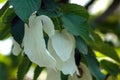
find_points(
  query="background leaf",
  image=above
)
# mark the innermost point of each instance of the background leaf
(102, 47)
(93, 65)
(17, 29)
(37, 72)
(24, 8)
(75, 9)
(3, 72)
(23, 68)
(5, 21)
(111, 67)
(49, 8)
(81, 45)
(76, 25)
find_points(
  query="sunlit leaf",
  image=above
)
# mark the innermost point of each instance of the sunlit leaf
(5, 22)
(104, 48)
(111, 67)
(1, 1)
(4, 8)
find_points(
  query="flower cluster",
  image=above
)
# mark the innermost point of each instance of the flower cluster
(57, 55)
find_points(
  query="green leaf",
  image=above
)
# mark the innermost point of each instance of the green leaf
(4, 8)
(76, 25)
(23, 68)
(93, 65)
(37, 72)
(64, 77)
(17, 29)
(104, 48)
(24, 8)
(3, 72)
(5, 22)
(49, 8)
(4, 30)
(81, 45)
(75, 9)
(111, 67)
(1, 1)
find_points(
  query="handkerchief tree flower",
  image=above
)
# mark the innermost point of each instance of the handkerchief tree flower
(58, 38)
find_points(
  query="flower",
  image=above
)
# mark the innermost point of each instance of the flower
(34, 43)
(62, 46)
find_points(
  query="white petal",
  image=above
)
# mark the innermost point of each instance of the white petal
(53, 74)
(32, 20)
(63, 43)
(34, 44)
(16, 48)
(48, 25)
(69, 66)
(53, 53)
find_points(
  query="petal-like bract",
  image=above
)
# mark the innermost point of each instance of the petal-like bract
(48, 25)
(67, 65)
(63, 43)
(16, 48)
(34, 43)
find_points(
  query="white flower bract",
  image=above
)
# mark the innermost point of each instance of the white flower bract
(62, 46)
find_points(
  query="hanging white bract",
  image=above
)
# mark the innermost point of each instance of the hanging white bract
(16, 48)
(34, 43)
(62, 46)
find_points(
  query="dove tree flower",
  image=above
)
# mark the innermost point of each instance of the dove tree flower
(34, 43)
(62, 46)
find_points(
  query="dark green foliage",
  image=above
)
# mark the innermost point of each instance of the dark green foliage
(81, 45)
(64, 77)
(93, 65)
(3, 72)
(111, 67)
(17, 29)
(23, 68)
(37, 72)
(75, 9)
(6, 16)
(24, 8)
